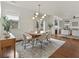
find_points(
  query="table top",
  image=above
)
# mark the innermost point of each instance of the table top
(34, 35)
(11, 36)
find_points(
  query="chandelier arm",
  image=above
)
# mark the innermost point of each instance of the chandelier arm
(39, 8)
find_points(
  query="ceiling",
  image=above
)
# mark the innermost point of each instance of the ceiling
(49, 6)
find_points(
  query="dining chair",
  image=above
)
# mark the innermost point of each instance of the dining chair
(48, 36)
(37, 39)
(26, 39)
(42, 38)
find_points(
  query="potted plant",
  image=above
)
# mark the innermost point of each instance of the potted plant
(50, 25)
(6, 25)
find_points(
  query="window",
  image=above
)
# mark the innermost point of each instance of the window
(56, 23)
(14, 21)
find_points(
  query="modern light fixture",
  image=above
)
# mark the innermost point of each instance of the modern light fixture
(38, 15)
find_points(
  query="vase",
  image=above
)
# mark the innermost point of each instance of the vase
(6, 34)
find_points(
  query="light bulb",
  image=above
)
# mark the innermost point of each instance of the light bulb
(43, 17)
(37, 13)
(44, 14)
(33, 18)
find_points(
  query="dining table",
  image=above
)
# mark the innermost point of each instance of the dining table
(35, 35)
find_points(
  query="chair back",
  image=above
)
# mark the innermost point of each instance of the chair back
(48, 35)
(27, 36)
(42, 37)
(24, 37)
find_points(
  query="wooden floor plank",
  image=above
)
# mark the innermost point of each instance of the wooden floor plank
(69, 50)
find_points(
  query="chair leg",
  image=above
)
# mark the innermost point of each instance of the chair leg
(41, 44)
(24, 45)
(32, 43)
(47, 39)
(37, 41)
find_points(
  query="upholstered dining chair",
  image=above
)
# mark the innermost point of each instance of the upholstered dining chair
(26, 39)
(42, 38)
(48, 36)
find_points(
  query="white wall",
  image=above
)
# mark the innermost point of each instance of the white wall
(26, 22)
(0, 20)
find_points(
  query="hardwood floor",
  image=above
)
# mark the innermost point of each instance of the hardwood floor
(69, 50)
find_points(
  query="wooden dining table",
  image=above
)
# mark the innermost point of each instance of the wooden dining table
(35, 35)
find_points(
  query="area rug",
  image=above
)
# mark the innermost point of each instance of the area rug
(38, 52)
